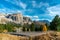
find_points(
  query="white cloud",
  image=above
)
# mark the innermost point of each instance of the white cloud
(36, 19)
(23, 5)
(12, 1)
(19, 11)
(30, 10)
(28, 16)
(35, 16)
(55, 10)
(35, 4)
(43, 4)
(9, 11)
(17, 2)
(2, 9)
(41, 19)
(32, 17)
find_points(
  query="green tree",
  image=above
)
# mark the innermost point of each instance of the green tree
(32, 27)
(58, 27)
(1, 27)
(9, 27)
(41, 27)
(23, 29)
(54, 23)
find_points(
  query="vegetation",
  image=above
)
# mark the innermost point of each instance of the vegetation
(9, 27)
(32, 27)
(44, 28)
(39, 28)
(23, 29)
(55, 24)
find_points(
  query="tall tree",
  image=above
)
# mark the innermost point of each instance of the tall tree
(54, 23)
(32, 27)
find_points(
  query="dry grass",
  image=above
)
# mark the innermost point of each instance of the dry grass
(8, 37)
(11, 37)
(47, 36)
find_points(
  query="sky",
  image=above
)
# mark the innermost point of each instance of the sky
(35, 9)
